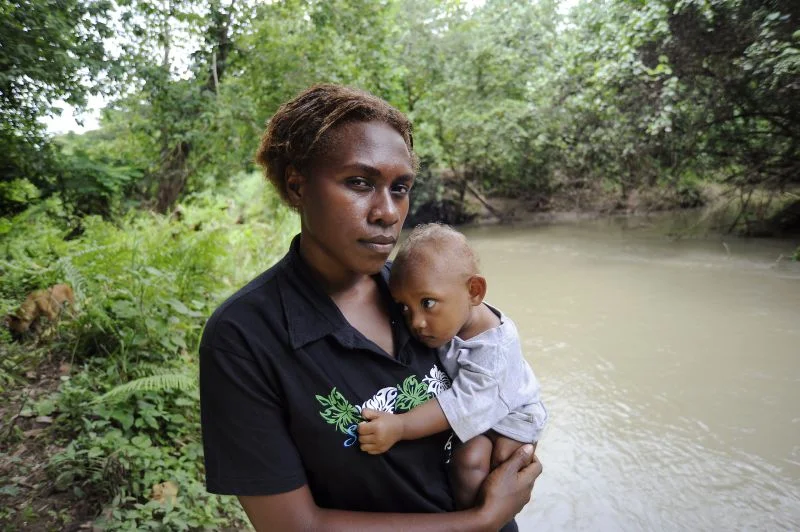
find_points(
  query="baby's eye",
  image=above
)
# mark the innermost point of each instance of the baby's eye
(404, 309)
(428, 303)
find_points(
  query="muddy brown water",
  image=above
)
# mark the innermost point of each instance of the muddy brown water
(671, 369)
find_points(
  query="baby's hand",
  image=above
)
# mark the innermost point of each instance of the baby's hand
(380, 432)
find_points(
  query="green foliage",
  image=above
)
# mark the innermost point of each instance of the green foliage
(48, 51)
(519, 99)
(158, 383)
(660, 90)
(91, 186)
(129, 415)
(651, 100)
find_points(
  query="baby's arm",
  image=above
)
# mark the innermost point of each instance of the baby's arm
(382, 430)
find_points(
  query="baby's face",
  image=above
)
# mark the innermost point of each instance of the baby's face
(435, 303)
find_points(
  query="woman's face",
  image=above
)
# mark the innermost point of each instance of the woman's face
(353, 199)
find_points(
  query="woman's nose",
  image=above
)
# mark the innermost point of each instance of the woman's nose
(384, 211)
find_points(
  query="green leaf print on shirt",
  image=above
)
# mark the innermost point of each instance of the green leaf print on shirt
(339, 411)
(412, 393)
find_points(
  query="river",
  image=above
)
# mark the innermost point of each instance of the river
(671, 370)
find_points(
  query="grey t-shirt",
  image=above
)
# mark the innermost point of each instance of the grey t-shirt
(493, 386)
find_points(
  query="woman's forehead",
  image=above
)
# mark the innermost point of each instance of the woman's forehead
(373, 144)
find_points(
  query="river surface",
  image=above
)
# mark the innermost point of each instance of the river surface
(671, 370)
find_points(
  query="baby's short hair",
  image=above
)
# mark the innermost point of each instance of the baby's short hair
(442, 239)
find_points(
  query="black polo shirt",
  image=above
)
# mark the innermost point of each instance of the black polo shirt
(283, 377)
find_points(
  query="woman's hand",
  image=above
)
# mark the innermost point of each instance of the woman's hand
(508, 488)
(380, 432)
(503, 448)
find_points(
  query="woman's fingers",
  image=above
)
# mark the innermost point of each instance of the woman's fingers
(508, 488)
(532, 470)
(521, 458)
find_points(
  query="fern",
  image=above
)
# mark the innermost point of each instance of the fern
(147, 369)
(155, 383)
(73, 277)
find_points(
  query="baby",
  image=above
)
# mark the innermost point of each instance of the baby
(493, 405)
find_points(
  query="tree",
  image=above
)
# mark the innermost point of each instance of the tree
(481, 116)
(49, 51)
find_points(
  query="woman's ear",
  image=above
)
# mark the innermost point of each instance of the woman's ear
(294, 186)
(476, 285)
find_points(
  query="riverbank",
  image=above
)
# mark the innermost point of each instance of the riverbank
(712, 209)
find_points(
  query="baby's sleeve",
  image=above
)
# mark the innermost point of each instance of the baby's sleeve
(473, 404)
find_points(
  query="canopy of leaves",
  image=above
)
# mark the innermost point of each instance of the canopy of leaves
(49, 51)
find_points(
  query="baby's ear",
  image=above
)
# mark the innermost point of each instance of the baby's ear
(476, 285)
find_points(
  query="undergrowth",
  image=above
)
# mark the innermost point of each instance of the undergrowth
(126, 417)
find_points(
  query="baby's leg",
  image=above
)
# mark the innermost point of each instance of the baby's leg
(503, 448)
(469, 469)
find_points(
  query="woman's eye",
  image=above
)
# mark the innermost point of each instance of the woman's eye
(428, 303)
(359, 182)
(401, 189)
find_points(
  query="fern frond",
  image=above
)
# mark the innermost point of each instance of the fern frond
(73, 277)
(147, 369)
(91, 249)
(155, 383)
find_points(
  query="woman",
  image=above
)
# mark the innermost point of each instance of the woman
(289, 361)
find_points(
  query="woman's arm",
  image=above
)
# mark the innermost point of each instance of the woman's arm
(382, 430)
(506, 490)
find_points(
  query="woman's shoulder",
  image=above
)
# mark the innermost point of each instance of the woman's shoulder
(249, 309)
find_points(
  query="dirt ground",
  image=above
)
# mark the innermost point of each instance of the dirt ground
(28, 500)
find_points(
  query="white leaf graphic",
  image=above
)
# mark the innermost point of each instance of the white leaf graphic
(383, 400)
(437, 381)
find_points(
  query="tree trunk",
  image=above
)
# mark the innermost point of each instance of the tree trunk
(173, 176)
(174, 157)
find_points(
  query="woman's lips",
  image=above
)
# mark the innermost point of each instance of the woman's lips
(380, 244)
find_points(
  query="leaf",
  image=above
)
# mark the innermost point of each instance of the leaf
(180, 308)
(141, 441)
(10, 490)
(125, 418)
(160, 382)
(153, 271)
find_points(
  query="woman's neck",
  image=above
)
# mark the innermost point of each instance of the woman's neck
(357, 296)
(331, 276)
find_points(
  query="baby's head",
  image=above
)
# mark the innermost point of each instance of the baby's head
(435, 278)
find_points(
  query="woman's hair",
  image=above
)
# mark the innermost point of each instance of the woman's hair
(296, 134)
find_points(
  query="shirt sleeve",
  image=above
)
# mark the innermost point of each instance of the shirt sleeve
(473, 404)
(247, 445)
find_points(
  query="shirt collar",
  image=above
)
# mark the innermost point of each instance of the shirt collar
(310, 312)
